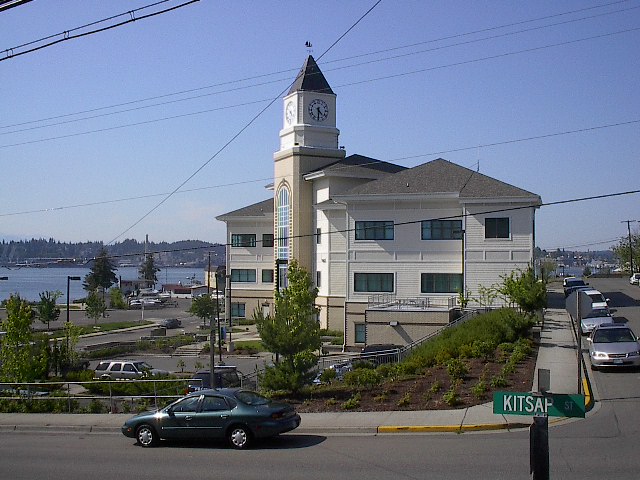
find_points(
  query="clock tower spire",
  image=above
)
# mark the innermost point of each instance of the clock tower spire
(308, 142)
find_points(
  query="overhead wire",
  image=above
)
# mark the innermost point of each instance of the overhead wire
(10, 53)
(290, 70)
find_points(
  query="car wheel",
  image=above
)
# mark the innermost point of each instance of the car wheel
(146, 436)
(239, 437)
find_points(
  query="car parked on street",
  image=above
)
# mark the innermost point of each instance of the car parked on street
(613, 345)
(240, 416)
(634, 279)
(595, 318)
(569, 284)
(125, 370)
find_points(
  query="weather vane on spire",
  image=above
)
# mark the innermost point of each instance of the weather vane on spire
(309, 47)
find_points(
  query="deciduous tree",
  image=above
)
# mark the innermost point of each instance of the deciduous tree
(47, 309)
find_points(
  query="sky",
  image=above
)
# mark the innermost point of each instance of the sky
(158, 126)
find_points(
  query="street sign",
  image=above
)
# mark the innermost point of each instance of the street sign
(525, 403)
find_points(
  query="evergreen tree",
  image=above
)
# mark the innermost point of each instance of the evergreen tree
(148, 270)
(102, 274)
(292, 332)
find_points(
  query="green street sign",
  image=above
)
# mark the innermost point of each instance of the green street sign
(553, 405)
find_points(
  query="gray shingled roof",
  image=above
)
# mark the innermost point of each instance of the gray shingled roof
(441, 176)
(310, 79)
(260, 209)
(356, 165)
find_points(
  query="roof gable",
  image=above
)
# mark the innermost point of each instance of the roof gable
(260, 209)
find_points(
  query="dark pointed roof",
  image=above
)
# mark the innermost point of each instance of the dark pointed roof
(310, 79)
(442, 176)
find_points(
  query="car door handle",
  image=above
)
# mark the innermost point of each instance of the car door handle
(188, 417)
(224, 416)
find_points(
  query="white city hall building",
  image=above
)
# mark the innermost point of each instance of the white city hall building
(389, 247)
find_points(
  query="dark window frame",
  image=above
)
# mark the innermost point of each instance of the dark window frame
(243, 275)
(373, 282)
(267, 240)
(374, 230)
(246, 240)
(494, 227)
(453, 282)
(441, 230)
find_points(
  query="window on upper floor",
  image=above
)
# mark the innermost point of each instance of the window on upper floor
(318, 236)
(440, 283)
(267, 239)
(246, 275)
(267, 276)
(497, 227)
(442, 230)
(374, 230)
(243, 239)
(373, 282)
(318, 278)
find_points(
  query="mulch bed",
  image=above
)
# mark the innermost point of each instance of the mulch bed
(421, 392)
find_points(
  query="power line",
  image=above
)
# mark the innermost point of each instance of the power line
(9, 53)
(290, 70)
(272, 101)
(448, 217)
(345, 167)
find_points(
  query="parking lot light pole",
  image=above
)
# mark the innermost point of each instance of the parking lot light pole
(69, 278)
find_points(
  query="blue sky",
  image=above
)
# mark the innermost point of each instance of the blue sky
(416, 80)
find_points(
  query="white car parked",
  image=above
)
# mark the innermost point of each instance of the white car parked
(635, 279)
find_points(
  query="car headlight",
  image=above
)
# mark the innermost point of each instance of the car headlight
(599, 355)
(635, 353)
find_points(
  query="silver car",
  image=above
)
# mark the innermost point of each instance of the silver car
(613, 345)
(125, 370)
(597, 317)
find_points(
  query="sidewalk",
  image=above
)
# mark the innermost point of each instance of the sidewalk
(557, 353)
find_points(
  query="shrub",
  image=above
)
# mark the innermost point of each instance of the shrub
(352, 403)
(479, 390)
(363, 378)
(451, 396)
(405, 401)
(499, 381)
(436, 387)
(457, 369)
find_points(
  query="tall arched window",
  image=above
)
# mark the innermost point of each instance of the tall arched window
(284, 216)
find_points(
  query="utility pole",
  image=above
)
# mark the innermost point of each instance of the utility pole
(629, 222)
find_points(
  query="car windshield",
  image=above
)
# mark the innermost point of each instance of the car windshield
(598, 312)
(143, 366)
(617, 335)
(251, 398)
(574, 283)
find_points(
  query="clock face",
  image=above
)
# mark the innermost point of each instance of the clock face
(290, 113)
(318, 110)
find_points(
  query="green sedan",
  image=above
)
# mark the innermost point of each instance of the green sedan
(240, 416)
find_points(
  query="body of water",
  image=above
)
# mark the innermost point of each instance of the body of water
(30, 282)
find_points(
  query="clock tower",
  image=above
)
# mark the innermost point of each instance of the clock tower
(308, 142)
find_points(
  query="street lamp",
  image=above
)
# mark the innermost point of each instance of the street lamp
(69, 278)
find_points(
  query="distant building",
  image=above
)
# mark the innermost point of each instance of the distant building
(389, 248)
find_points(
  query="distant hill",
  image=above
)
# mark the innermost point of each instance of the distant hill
(51, 253)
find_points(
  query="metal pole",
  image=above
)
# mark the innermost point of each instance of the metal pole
(539, 448)
(218, 317)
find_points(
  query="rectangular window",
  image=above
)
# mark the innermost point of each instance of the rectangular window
(318, 236)
(441, 282)
(318, 276)
(245, 275)
(243, 239)
(360, 333)
(267, 276)
(496, 227)
(442, 230)
(373, 282)
(374, 230)
(238, 310)
(267, 239)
